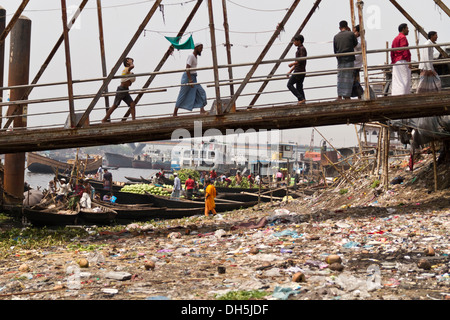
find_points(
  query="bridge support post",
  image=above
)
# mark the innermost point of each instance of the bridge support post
(19, 64)
(2, 56)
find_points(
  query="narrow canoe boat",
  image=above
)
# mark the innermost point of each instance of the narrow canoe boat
(97, 214)
(221, 206)
(51, 215)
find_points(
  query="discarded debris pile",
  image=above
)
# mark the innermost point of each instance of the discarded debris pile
(351, 241)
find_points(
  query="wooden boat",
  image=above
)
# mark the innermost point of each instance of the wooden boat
(118, 160)
(97, 184)
(142, 163)
(221, 204)
(40, 164)
(143, 212)
(97, 214)
(134, 212)
(133, 179)
(178, 213)
(50, 215)
(237, 190)
(126, 197)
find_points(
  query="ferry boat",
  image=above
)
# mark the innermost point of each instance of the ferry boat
(203, 156)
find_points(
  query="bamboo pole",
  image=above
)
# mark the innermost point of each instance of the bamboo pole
(261, 56)
(227, 44)
(165, 56)
(13, 21)
(124, 54)
(443, 6)
(68, 64)
(416, 25)
(285, 52)
(352, 13)
(363, 49)
(386, 159)
(47, 61)
(337, 169)
(102, 46)
(433, 148)
(2, 63)
(214, 56)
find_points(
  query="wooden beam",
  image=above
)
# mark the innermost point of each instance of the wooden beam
(14, 19)
(166, 56)
(124, 54)
(68, 64)
(289, 116)
(285, 52)
(49, 58)
(214, 56)
(443, 6)
(101, 39)
(416, 25)
(279, 28)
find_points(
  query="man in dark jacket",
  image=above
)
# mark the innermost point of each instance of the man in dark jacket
(345, 41)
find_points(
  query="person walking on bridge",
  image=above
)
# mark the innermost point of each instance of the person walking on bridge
(295, 83)
(401, 69)
(429, 79)
(122, 91)
(191, 95)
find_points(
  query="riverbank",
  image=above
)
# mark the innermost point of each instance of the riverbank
(386, 245)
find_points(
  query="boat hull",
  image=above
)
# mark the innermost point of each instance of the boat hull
(118, 160)
(199, 204)
(98, 214)
(141, 164)
(38, 217)
(40, 164)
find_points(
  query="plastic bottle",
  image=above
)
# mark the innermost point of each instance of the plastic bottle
(373, 278)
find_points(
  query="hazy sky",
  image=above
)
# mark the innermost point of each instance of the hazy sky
(251, 23)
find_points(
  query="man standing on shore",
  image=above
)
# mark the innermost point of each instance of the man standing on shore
(210, 194)
(107, 180)
(176, 187)
(401, 69)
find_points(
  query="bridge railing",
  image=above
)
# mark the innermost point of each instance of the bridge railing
(38, 117)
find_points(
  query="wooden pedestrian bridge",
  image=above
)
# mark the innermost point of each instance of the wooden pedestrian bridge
(82, 127)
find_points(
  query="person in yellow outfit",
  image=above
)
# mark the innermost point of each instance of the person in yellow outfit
(210, 194)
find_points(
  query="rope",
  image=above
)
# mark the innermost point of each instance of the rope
(253, 9)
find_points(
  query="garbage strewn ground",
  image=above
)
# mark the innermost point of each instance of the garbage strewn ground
(351, 242)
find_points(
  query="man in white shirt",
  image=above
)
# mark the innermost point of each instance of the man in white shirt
(176, 187)
(429, 79)
(191, 94)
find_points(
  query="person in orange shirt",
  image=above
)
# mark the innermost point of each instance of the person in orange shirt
(210, 194)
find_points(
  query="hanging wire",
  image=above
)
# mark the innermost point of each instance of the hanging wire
(255, 9)
(110, 6)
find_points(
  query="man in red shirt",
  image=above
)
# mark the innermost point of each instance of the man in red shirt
(401, 69)
(190, 185)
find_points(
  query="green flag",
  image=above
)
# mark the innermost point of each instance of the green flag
(188, 44)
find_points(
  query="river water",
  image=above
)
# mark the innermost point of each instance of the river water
(40, 180)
